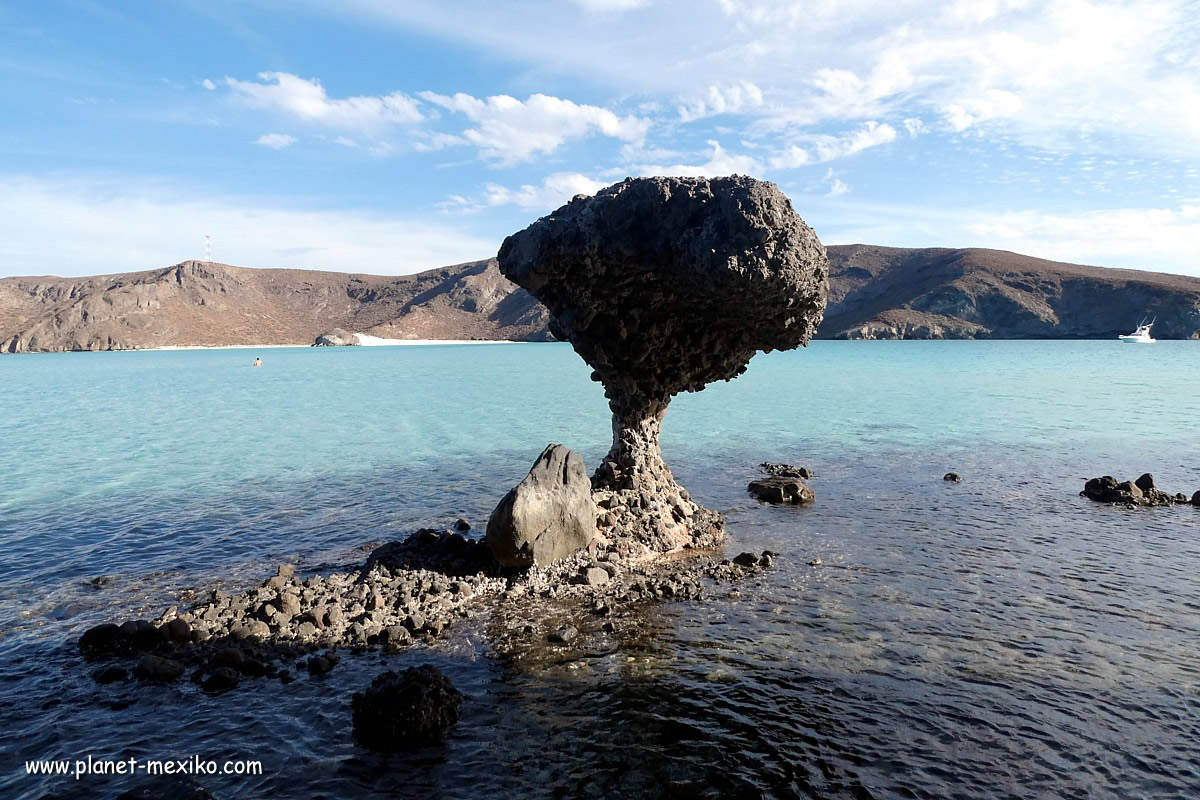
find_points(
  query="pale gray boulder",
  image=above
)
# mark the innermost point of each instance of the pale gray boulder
(547, 516)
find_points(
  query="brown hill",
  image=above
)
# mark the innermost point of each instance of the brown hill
(875, 293)
(196, 303)
(940, 293)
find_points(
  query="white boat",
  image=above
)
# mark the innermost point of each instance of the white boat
(1141, 335)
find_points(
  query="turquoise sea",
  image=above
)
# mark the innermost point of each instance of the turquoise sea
(1001, 637)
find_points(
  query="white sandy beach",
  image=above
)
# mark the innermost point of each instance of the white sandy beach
(363, 339)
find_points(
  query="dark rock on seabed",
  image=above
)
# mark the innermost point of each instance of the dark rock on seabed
(401, 710)
(781, 490)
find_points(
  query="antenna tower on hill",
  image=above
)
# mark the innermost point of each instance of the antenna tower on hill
(207, 249)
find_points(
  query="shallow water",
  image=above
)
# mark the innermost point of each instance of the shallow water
(1001, 637)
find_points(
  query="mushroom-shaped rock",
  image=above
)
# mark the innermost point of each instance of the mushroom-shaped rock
(664, 285)
(401, 710)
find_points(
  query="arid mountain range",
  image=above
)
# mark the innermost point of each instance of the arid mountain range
(875, 293)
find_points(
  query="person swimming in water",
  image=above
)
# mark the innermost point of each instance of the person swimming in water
(258, 362)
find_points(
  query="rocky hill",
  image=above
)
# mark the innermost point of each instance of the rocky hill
(196, 303)
(940, 293)
(875, 293)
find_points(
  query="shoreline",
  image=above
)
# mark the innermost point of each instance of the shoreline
(364, 341)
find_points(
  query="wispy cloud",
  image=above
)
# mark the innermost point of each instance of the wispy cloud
(552, 192)
(276, 141)
(510, 131)
(307, 100)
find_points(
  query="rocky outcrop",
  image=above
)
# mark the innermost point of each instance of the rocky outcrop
(1141, 492)
(402, 710)
(941, 293)
(663, 285)
(337, 338)
(776, 489)
(547, 516)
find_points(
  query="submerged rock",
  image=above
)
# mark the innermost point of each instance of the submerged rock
(952, 477)
(664, 285)
(786, 470)
(402, 710)
(548, 515)
(781, 490)
(158, 669)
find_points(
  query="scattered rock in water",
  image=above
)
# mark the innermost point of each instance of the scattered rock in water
(816, 562)
(564, 635)
(781, 490)
(221, 679)
(158, 669)
(664, 285)
(322, 664)
(110, 674)
(403, 710)
(547, 516)
(952, 477)
(745, 559)
(461, 525)
(786, 470)
(1107, 489)
(102, 639)
(1196, 499)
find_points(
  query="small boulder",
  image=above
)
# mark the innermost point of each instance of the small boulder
(594, 576)
(322, 664)
(462, 525)
(746, 560)
(549, 515)
(952, 477)
(781, 490)
(564, 635)
(402, 710)
(1196, 499)
(178, 631)
(222, 679)
(106, 638)
(786, 470)
(1145, 482)
(110, 674)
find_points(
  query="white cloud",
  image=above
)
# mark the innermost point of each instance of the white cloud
(90, 226)
(720, 162)
(208, 84)
(509, 130)
(552, 192)
(604, 6)
(307, 100)
(275, 141)
(821, 148)
(730, 99)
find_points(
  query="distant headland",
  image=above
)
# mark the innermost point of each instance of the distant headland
(874, 293)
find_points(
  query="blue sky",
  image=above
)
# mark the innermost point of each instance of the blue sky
(390, 137)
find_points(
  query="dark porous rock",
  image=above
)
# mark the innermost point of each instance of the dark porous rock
(229, 657)
(178, 631)
(336, 338)
(746, 560)
(1142, 492)
(786, 470)
(953, 477)
(781, 490)
(547, 516)
(664, 285)
(322, 664)
(564, 635)
(1196, 499)
(110, 674)
(102, 639)
(158, 669)
(140, 634)
(220, 680)
(403, 710)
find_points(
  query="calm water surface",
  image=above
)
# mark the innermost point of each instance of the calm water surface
(1000, 637)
